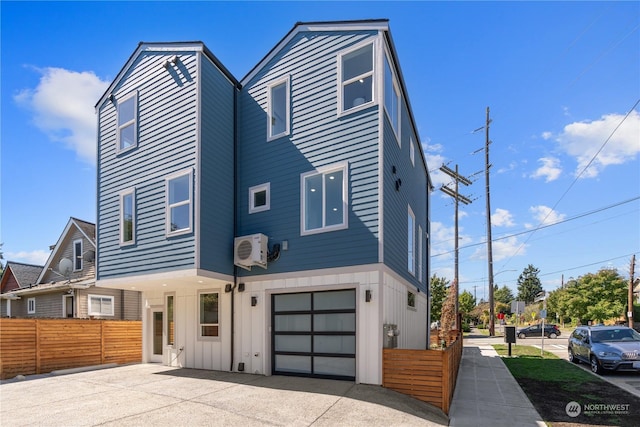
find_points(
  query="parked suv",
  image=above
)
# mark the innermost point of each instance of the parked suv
(550, 331)
(614, 348)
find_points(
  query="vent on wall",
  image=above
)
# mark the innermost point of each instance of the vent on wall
(250, 250)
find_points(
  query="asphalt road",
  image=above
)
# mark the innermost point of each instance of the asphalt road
(629, 381)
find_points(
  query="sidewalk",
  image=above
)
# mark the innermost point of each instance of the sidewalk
(487, 394)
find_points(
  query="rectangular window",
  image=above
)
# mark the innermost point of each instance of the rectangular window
(127, 217)
(127, 126)
(411, 242)
(179, 210)
(170, 320)
(77, 255)
(208, 314)
(356, 78)
(278, 109)
(260, 198)
(100, 305)
(31, 306)
(324, 199)
(392, 99)
(420, 254)
(412, 152)
(411, 299)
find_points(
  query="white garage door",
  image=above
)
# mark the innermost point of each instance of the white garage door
(314, 334)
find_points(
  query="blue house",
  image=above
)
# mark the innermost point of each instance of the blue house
(276, 224)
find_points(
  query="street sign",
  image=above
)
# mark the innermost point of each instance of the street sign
(543, 314)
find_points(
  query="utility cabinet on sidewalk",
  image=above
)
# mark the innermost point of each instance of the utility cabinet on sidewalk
(510, 334)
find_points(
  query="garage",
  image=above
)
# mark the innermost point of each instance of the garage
(314, 334)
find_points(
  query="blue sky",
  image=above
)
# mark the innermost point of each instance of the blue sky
(562, 80)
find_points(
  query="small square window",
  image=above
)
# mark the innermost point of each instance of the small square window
(260, 198)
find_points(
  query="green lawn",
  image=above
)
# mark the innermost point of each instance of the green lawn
(551, 383)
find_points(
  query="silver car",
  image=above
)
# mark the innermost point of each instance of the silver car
(606, 348)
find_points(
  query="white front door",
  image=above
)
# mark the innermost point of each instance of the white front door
(157, 343)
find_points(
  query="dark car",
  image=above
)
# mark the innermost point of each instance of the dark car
(550, 331)
(606, 348)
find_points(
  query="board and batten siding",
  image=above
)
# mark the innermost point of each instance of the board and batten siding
(216, 169)
(318, 137)
(412, 192)
(166, 145)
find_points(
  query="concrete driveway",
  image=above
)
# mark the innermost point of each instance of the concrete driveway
(155, 395)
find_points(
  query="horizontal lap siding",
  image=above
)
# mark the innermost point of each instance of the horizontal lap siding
(216, 170)
(166, 144)
(318, 138)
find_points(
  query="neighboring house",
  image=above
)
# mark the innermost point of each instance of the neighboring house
(274, 225)
(65, 286)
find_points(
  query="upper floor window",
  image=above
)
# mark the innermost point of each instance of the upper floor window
(77, 255)
(411, 242)
(420, 254)
(356, 77)
(324, 199)
(208, 314)
(392, 99)
(278, 109)
(31, 306)
(412, 152)
(178, 207)
(260, 198)
(127, 217)
(100, 305)
(127, 118)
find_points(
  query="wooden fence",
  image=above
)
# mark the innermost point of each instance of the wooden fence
(35, 346)
(427, 375)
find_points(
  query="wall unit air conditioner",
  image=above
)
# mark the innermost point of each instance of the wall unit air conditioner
(250, 250)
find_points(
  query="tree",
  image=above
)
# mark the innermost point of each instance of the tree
(466, 303)
(503, 295)
(596, 297)
(438, 294)
(529, 285)
(448, 318)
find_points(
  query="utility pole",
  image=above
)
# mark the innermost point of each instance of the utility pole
(492, 325)
(457, 197)
(631, 283)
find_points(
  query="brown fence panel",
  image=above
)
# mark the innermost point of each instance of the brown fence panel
(427, 375)
(17, 347)
(34, 346)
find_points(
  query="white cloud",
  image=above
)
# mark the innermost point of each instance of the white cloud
(547, 135)
(544, 215)
(550, 169)
(501, 249)
(443, 239)
(502, 218)
(63, 108)
(37, 257)
(582, 140)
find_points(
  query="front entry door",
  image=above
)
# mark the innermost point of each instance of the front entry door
(156, 336)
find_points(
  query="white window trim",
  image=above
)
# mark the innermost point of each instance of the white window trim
(341, 84)
(65, 301)
(394, 85)
(90, 310)
(411, 252)
(412, 152)
(123, 194)
(256, 189)
(287, 129)
(420, 253)
(409, 306)
(345, 198)
(133, 122)
(78, 256)
(31, 306)
(199, 325)
(168, 207)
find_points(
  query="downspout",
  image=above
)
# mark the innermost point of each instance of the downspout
(235, 214)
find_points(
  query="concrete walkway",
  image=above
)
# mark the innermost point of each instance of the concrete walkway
(487, 394)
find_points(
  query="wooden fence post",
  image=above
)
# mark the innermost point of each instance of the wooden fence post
(102, 349)
(37, 346)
